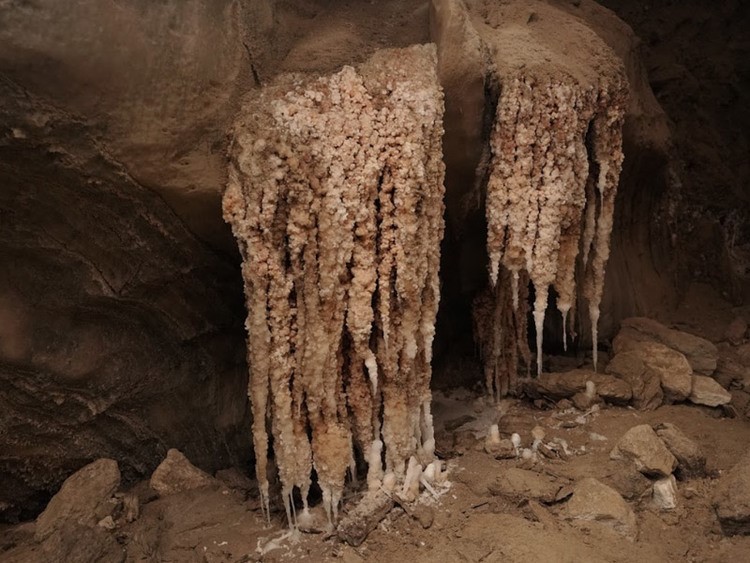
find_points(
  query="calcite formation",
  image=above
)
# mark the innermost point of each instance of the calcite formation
(556, 157)
(336, 200)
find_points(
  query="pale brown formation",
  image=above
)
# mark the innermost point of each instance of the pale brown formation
(552, 137)
(335, 198)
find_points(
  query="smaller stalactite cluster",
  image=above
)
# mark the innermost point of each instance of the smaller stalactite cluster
(336, 199)
(556, 160)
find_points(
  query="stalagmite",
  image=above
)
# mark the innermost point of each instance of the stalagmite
(335, 198)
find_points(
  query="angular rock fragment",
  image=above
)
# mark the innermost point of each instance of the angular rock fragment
(641, 445)
(731, 499)
(701, 354)
(644, 382)
(596, 502)
(176, 474)
(665, 493)
(84, 498)
(691, 462)
(707, 391)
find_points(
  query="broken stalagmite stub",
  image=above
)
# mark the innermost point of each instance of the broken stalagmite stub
(335, 197)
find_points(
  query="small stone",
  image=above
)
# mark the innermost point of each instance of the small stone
(641, 445)
(732, 499)
(690, 459)
(83, 498)
(665, 493)
(107, 523)
(503, 450)
(564, 404)
(538, 433)
(582, 401)
(131, 507)
(424, 514)
(176, 474)
(708, 392)
(593, 501)
(736, 331)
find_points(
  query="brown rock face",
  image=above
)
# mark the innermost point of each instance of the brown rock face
(593, 501)
(691, 462)
(118, 328)
(566, 385)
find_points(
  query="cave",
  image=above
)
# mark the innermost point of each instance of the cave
(373, 280)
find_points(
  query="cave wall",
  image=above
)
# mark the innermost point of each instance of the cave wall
(120, 295)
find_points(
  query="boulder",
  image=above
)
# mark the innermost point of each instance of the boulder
(644, 382)
(519, 484)
(566, 385)
(593, 501)
(176, 474)
(691, 462)
(731, 499)
(641, 445)
(672, 368)
(665, 493)
(699, 352)
(707, 391)
(84, 498)
(735, 333)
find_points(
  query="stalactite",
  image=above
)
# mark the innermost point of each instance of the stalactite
(557, 156)
(336, 200)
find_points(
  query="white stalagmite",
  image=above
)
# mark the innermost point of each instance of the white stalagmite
(556, 161)
(335, 197)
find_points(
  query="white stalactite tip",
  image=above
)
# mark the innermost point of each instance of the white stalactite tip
(335, 197)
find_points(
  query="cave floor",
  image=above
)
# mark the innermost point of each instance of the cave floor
(470, 520)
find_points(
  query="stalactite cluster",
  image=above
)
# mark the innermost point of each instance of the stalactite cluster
(336, 199)
(556, 160)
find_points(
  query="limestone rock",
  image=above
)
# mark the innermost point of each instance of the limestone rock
(519, 484)
(691, 462)
(641, 445)
(176, 474)
(706, 391)
(83, 499)
(700, 353)
(732, 499)
(665, 493)
(236, 479)
(565, 385)
(672, 368)
(736, 331)
(644, 382)
(595, 501)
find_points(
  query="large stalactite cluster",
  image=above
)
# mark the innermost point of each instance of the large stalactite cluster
(556, 160)
(336, 199)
